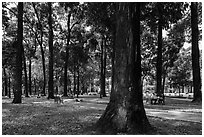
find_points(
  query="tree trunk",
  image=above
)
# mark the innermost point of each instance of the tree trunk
(56, 85)
(163, 83)
(104, 69)
(125, 111)
(35, 89)
(44, 71)
(78, 82)
(112, 61)
(74, 80)
(5, 82)
(183, 91)
(67, 56)
(50, 82)
(30, 76)
(42, 50)
(9, 86)
(102, 92)
(25, 73)
(195, 54)
(179, 90)
(159, 54)
(18, 68)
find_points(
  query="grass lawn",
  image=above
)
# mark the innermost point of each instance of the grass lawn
(39, 116)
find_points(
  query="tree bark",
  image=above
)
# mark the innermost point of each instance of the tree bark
(5, 82)
(74, 79)
(25, 73)
(44, 71)
(78, 82)
(18, 68)
(163, 83)
(9, 86)
(112, 61)
(50, 82)
(104, 70)
(159, 54)
(102, 92)
(125, 111)
(30, 77)
(195, 54)
(67, 55)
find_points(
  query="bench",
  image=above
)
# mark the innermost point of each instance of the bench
(159, 100)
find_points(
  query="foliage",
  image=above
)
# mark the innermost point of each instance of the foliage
(89, 24)
(180, 74)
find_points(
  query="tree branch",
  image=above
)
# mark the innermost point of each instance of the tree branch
(77, 22)
(10, 10)
(36, 12)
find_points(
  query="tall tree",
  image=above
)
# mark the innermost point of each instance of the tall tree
(159, 51)
(125, 111)
(103, 67)
(25, 74)
(102, 16)
(67, 51)
(19, 49)
(70, 8)
(40, 27)
(159, 16)
(50, 82)
(30, 76)
(195, 54)
(180, 73)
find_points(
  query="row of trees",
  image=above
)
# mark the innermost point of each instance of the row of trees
(40, 35)
(90, 40)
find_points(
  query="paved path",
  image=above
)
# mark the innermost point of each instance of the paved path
(175, 114)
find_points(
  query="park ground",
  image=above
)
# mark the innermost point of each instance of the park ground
(39, 116)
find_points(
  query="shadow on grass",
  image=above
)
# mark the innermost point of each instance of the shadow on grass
(44, 117)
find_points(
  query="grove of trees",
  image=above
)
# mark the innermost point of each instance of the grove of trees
(72, 48)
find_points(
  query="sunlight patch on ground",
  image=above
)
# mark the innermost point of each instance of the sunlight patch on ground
(89, 118)
(23, 118)
(8, 122)
(41, 116)
(5, 112)
(68, 100)
(179, 123)
(189, 110)
(54, 128)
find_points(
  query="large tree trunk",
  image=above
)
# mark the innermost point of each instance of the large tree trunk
(195, 54)
(125, 111)
(67, 56)
(19, 49)
(159, 54)
(50, 82)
